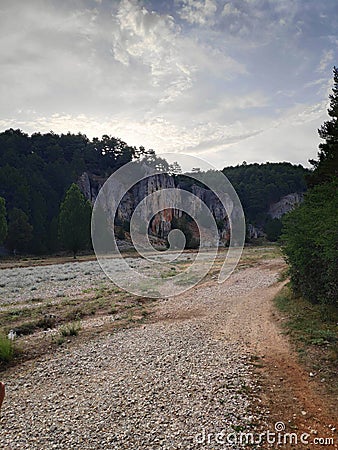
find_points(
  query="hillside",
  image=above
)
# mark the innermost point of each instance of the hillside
(36, 171)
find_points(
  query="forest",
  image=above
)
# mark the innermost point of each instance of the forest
(37, 170)
(259, 185)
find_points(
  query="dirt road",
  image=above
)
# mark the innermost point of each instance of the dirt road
(209, 370)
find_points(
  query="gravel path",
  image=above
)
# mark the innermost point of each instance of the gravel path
(153, 387)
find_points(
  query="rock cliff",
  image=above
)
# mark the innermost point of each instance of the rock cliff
(161, 223)
(285, 205)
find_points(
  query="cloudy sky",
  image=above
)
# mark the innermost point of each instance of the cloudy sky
(224, 80)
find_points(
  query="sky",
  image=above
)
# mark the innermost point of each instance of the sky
(228, 81)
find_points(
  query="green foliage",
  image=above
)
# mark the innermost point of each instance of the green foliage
(305, 320)
(19, 231)
(175, 168)
(36, 171)
(326, 167)
(311, 244)
(158, 163)
(312, 328)
(3, 220)
(311, 231)
(74, 221)
(102, 230)
(71, 329)
(259, 185)
(273, 228)
(6, 349)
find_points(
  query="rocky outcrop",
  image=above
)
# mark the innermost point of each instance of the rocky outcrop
(285, 205)
(85, 185)
(160, 224)
(90, 185)
(275, 211)
(254, 232)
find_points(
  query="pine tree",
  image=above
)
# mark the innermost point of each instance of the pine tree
(310, 231)
(326, 167)
(20, 231)
(3, 221)
(74, 221)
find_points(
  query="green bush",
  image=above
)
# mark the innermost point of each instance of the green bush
(6, 349)
(71, 329)
(273, 229)
(310, 244)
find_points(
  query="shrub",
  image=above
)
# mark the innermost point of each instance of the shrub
(72, 329)
(310, 244)
(273, 228)
(6, 349)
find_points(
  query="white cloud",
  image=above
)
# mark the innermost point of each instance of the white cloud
(145, 37)
(186, 77)
(326, 61)
(173, 60)
(293, 136)
(259, 22)
(201, 12)
(253, 100)
(230, 9)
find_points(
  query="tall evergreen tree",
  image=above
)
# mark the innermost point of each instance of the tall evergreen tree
(74, 221)
(20, 231)
(326, 167)
(3, 220)
(311, 230)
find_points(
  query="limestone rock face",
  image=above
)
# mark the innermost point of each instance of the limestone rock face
(85, 186)
(285, 205)
(212, 201)
(160, 224)
(90, 185)
(161, 219)
(254, 232)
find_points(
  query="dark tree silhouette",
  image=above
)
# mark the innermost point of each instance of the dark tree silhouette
(74, 221)
(3, 220)
(19, 231)
(326, 166)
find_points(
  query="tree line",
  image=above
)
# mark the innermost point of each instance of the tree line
(37, 170)
(35, 173)
(310, 232)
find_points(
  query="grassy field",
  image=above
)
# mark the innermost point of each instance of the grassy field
(49, 302)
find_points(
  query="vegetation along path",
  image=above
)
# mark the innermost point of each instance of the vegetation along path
(210, 360)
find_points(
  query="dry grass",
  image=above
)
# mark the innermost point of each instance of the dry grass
(95, 297)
